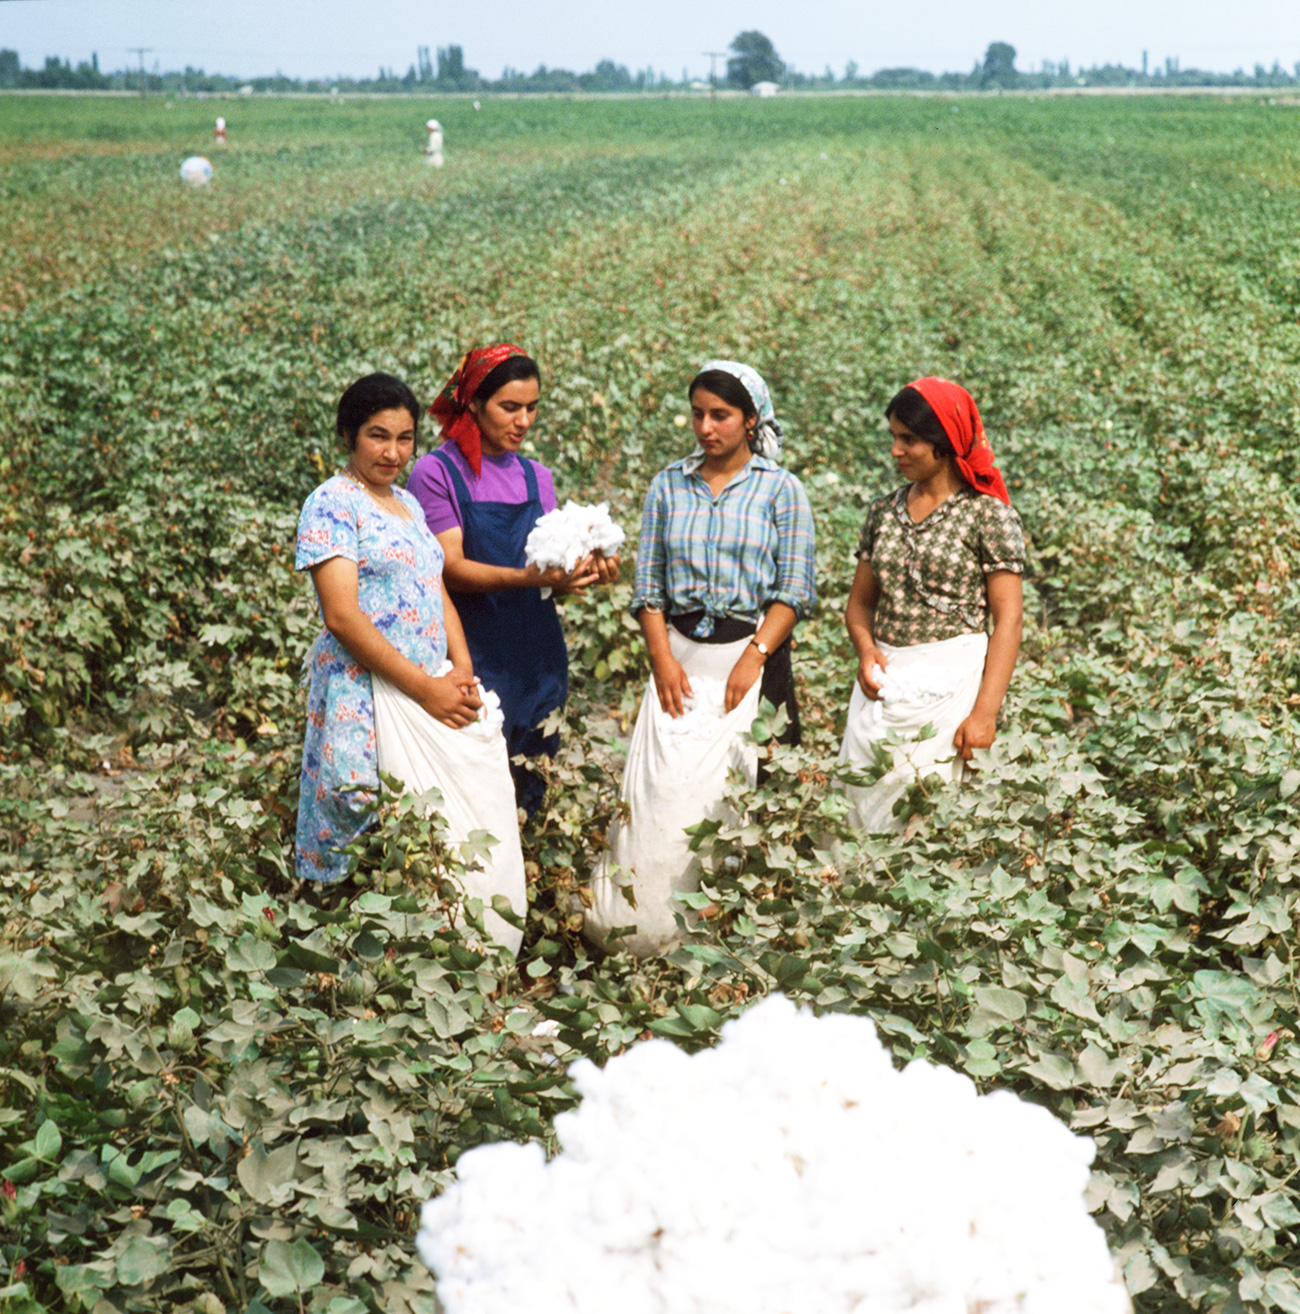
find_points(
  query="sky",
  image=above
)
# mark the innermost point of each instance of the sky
(322, 38)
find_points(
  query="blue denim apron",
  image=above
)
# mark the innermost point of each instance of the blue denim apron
(514, 635)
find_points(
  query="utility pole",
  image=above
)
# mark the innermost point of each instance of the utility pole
(714, 56)
(142, 51)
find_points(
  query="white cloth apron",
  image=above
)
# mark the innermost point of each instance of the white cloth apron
(671, 781)
(473, 776)
(933, 684)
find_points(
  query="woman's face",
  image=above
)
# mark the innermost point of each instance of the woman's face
(383, 447)
(720, 428)
(915, 457)
(506, 416)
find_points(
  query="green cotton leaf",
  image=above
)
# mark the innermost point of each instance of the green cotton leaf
(1282, 1289)
(1009, 1004)
(1225, 990)
(250, 954)
(142, 1259)
(269, 1178)
(1290, 782)
(48, 1142)
(290, 1268)
(1052, 1070)
(1098, 1069)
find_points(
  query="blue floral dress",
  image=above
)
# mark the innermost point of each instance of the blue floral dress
(399, 587)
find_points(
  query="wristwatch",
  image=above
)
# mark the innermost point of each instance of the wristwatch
(760, 645)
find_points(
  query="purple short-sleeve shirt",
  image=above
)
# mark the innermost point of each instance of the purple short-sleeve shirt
(502, 480)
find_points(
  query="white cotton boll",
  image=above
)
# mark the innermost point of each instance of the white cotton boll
(702, 711)
(561, 538)
(790, 1167)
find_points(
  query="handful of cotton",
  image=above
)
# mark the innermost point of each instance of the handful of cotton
(702, 711)
(789, 1169)
(564, 536)
(920, 684)
(491, 719)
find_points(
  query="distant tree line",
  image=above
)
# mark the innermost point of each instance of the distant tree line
(752, 59)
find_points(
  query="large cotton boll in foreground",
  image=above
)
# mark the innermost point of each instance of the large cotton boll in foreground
(564, 536)
(789, 1169)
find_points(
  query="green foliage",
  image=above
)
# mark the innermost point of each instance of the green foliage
(215, 1087)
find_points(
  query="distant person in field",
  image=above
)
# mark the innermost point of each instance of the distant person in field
(390, 629)
(724, 572)
(481, 498)
(938, 560)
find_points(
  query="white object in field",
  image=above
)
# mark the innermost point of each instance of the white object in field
(219, 133)
(676, 776)
(472, 775)
(764, 90)
(561, 538)
(196, 171)
(926, 684)
(789, 1168)
(477, 106)
(433, 148)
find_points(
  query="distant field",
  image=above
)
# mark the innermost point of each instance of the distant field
(1106, 924)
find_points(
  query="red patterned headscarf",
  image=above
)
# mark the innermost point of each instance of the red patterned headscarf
(955, 409)
(451, 408)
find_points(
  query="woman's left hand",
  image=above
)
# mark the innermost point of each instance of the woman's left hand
(976, 731)
(743, 675)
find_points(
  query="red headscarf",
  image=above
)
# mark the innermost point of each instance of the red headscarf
(955, 409)
(451, 408)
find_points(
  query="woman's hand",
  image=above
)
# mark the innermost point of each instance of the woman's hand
(743, 675)
(448, 702)
(606, 567)
(565, 583)
(463, 678)
(867, 662)
(978, 730)
(671, 684)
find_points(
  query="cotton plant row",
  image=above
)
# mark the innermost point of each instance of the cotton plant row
(561, 538)
(790, 1168)
(490, 719)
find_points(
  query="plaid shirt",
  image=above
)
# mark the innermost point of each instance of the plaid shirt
(733, 555)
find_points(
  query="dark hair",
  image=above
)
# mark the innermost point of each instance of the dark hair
(912, 411)
(368, 396)
(728, 387)
(511, 370)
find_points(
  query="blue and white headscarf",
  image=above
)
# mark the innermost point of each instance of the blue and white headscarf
(766, 438)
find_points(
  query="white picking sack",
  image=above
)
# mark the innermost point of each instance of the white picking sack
(932, 684)
(473, 775)
(676, 776)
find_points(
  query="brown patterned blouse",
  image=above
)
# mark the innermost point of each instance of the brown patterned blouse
(931, 574)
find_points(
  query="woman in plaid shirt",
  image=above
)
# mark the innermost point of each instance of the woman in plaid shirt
(726, 547)
(724, 571)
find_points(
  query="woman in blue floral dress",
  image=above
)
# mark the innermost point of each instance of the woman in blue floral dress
(377, 571)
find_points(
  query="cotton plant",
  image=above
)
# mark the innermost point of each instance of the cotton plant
(791, 1168)
(561, 538)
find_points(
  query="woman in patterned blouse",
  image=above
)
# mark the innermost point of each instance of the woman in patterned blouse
(937, 560)
(378, 575)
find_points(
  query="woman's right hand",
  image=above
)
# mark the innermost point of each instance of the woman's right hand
(671, 684)
(867, 678)
(563, 582)
(451, 703)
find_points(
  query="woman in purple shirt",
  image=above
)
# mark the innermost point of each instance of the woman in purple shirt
(481, 499)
